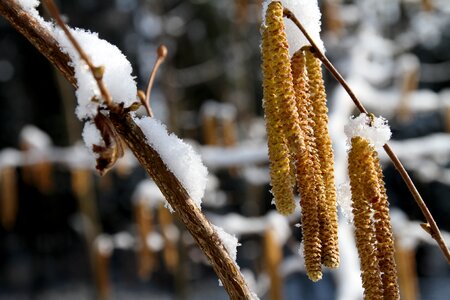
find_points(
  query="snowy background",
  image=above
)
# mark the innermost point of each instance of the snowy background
(56, 211)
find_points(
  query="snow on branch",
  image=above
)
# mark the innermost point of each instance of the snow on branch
(179, 157)
(117, 76)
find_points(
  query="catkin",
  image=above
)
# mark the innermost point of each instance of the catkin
(284, 87)
(364, 190)
(310, 179)
(385, 238)
(279, 155)
(322, 148)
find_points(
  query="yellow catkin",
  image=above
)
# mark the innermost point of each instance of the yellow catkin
(279, 156)
(385, 237)
(284, 86)
(360, 165)
(308, 173)
(327, 209)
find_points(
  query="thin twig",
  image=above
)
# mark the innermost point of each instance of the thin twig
(97, 72)
(162, 53)
(434, 229)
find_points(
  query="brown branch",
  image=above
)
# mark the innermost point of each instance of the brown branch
(434, 229)
(200, 228)
(184, 207)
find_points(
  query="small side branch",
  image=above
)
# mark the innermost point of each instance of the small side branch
(162, 53)
(434, 229)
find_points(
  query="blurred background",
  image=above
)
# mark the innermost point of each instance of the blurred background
(67, 233)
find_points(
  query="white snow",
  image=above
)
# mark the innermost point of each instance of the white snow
(344, 200)
(378, 134)
(117, 76)
(155, 241)
(148, 192)
(308, 13)
(123, 240)
(179, 157)
(91, 136)
(229, 241)
(32, 137)
(104, 244)
(239, 155)
(28, 5)
(10, 158)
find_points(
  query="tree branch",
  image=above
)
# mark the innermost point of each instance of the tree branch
(195, 222)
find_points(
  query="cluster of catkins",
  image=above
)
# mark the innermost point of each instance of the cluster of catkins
(300, 149)
(300, 154)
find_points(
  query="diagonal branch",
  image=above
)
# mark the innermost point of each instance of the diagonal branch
(196, 223)
(433, 228)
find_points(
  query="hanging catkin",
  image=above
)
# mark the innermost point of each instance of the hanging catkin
(361, 170)
(310, 180)
(385, 238)
(327, 208)
(280, 168)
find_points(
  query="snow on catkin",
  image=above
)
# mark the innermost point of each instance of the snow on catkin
(378, 133)
(308, 13)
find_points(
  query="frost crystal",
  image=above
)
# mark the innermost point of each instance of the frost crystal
(179, 157)
(308, 13)
(377, 134)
